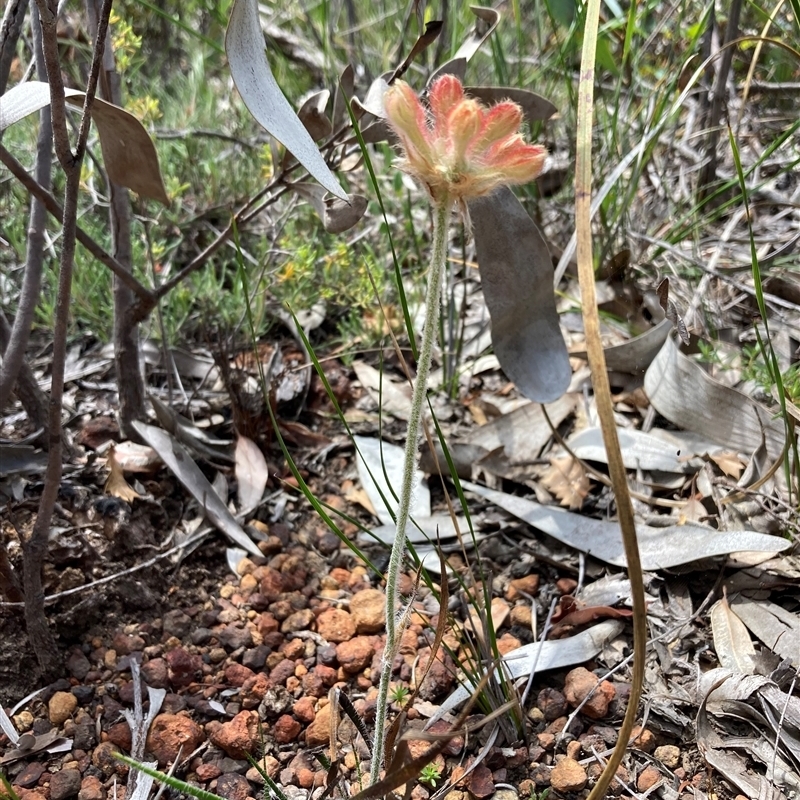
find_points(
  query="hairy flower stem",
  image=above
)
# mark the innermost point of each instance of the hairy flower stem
(394, 624)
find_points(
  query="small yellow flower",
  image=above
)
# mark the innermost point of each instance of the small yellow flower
(460, 149)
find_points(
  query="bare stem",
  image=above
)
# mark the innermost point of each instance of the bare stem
(395, 625)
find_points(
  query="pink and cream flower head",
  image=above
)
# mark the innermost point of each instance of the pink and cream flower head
(460, 149)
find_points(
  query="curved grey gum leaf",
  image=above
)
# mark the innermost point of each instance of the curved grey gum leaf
(246, 51)
(455, 66)
(534, 106)
(659, 548)
(340, 216)
(541, 656)
(345, 87)
(517, 280)
(486, 22)
(129, 154)
(312, 115)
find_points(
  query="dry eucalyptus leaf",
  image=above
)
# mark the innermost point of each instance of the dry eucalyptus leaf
(313, 194)
(541, 656)
(395, 398)
(534, 106)
(138, 458)
(776, 627)
(251, 472)
(567, 480)
(687, 396)
(729, 463)
(189, 474)
(659, 548)
(635, 356)
(128, 151)
(732, 642)
(373, 102)
(246, 51)
(486, 22)
(116, 485)
(455, 66)
(341, 215)
(312, 115)
(517, 281)
(342, 95)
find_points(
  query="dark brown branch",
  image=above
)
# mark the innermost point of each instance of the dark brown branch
(35, 546)
(14, 355)
(10, 31)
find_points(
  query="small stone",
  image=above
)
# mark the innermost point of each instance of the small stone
(120, 735)
(60, 708)
(184, 667)
(171, 733)
(125, 643)
(552, 703)
(480, 782)
(318, 732)
(547, 741)
(29, 776)
(156, 673)
(669, 755)
(233, 636)
(282, 670)
(92, 789)
(568, 776)
(255, 657)
(643, 739)
(303, 709)
(103, 758)
(65, 783)
(239, 737)
(520, 587)
(368, 610)
(216, 655)
(298, 621)
(23, 721)
(78, 665)
(237, 675)
(505, 794)
(233, 786)
(356, 654)
(177, 623)
(522, 617)
(268, 764)
(286, 729)
(648, 778)
(208, 772)
(336, 625)
(581, 683)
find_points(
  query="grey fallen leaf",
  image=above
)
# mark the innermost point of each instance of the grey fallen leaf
(343, 93)
(523, 432)
(246, 51)
(312, 115)
(485, 23)
(542, 656)
(732, 642)
(663, 452)
(635, 356)
(251, 471)
(187, 433)
(455, 66)
(682, 392)
(517, 280)
(188, 473)
(534, 107)
(7, 726)
(340, 215)
(776, 627)
(394, 397)
(129, 154)
(659, 548)
(18, 459)
(380, 468)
